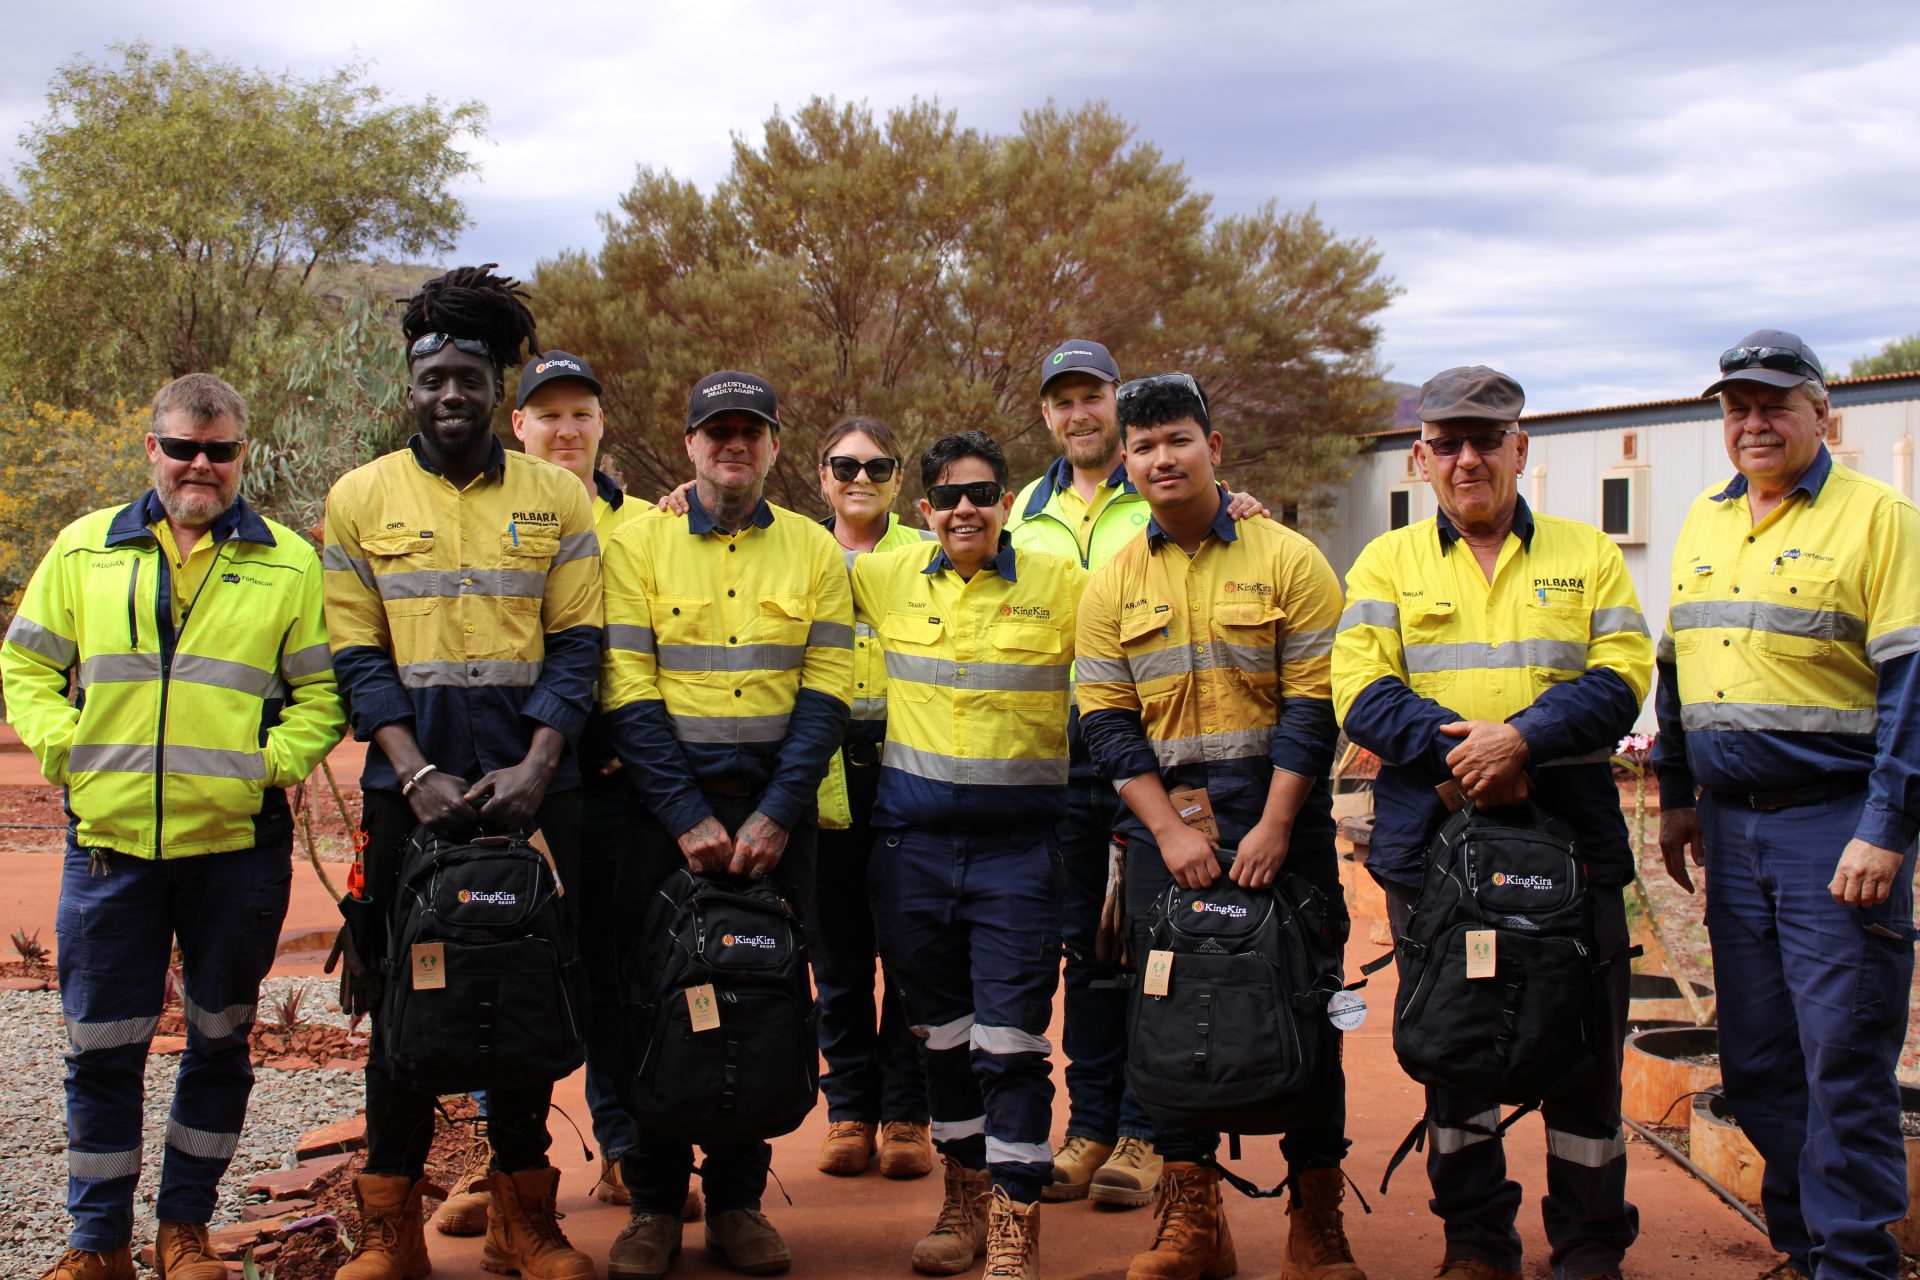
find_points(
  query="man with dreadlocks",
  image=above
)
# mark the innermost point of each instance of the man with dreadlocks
(463, 597)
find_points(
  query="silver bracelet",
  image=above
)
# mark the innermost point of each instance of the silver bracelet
(414, 781)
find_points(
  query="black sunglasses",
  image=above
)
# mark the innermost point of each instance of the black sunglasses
(428, 343)
(1781, 359)
(879, 470)
(181, 449)
(1131, 389)
(1484, 442)
(981, 493)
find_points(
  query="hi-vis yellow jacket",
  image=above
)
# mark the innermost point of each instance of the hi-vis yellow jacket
(176, 741)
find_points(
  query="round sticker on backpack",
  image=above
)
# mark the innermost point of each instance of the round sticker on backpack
(1346, 1010)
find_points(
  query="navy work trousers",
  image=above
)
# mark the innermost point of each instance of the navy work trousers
(1813, 1011)
(609, 813)
(117, 922)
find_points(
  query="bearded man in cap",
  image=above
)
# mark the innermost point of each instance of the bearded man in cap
(1504, 651)
(1789, 760)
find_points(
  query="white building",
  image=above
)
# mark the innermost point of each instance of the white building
(1633, 470)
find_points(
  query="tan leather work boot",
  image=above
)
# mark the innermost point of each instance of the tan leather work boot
(392, 1244)
(959, 1235)
(612, 1188)
(91, 1264)
(848, 1147)
(906, 1150)
(464, 1213)
(1192, 1240)
(1473, 1269)
(1013, 1238)
(523, 1232)
(1317, 1247)
(1129, 1176)
(1074, 1165)
(644, 1247)
(748, 1242)
(182, 1251)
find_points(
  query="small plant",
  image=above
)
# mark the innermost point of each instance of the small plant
(285, 1009)
(250, 1270)
(31, 950)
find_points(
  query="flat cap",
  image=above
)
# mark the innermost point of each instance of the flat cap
(1472, 393)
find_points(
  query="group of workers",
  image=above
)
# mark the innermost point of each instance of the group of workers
(936, 743)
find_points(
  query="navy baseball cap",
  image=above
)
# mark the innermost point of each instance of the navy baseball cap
(1077, 355)
(552, 367)
(1771, 356)
(731, 391)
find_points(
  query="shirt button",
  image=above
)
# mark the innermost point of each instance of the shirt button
(676, 613)
(731, 548)
(737, 693)
(1725, 643)
(1719, 693)
(1736, 591)
(729, 593)
(469, 628)
(733, 639)
(1749, 538)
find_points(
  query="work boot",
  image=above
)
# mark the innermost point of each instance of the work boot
(464, 1213)
(182, 1251)
(612, 1188)
(1473, 1269)
(1317, 1247)
(748, 1242)
(1074, 1165)
(1193, 1240)
(1013, 1238)
(90, 1264)
(960, 1234)
(905, 1150)
(691, 1208)
(392, 1243)
(523, 1232)
(1130, 1174)
(848, 1147)
(645, 1246)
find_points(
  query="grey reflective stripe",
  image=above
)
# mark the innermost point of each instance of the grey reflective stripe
(489, 673)
(1663, 652)
(34, 638)
(1468, 655)
(735, 657)
(310, 661)
(575, 546)
(216, 1024)
(1371, 613)
(948, 1035)
(198, 668)
(207, 762)
(422, 584)
(869, 708)
(1103, 671)
(1220, 656)
(1000, 1151)
(1306, 644)
(102, 1166)
(629, 638)
(1447, 1141)
(1594, 1153)
(724, 729)
(1764, 718)
(1003, 676)
(117, 668)
(93, 1037)
(981, 773)
(1894, 644)
(1777, 619)
(1235, 744)
(949, 1130)
(337, 559)
(830, 635)
(1606, 622)
(1008, 1040)
(863, 630)
(200, 1142)
(1592, 757)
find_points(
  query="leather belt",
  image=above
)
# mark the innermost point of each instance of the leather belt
(862, 755)
(726, 786)
(1772, 801)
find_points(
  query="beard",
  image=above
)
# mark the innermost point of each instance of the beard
(1093, 452)
(193, 507)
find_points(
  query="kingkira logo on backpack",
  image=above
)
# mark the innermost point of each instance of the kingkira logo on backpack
(488, 897)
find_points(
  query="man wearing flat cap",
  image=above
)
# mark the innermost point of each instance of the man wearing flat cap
(1502, 650)
(1789, 761)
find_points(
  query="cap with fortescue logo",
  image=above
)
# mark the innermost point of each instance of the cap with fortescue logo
(552, 367)
(730, 391)
(1077, 355)
(1471, 393)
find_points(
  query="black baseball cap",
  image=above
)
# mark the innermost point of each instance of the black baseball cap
(1078, 355)
(1471, 393)
(731, 391)
(552, 367)
(1771, 356)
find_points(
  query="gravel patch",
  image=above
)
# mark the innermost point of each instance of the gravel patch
(33, 1163)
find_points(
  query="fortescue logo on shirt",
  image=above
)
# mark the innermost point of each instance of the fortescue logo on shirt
(1025, 611)
(1256, 588)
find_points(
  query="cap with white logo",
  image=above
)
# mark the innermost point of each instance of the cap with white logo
(1077, 355)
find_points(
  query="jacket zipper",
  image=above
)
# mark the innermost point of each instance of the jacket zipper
(163, 622)
(133, 607)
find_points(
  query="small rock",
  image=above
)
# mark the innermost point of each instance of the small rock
(347, 1135)
(296, 1208)
(167, 1044)
(286, 1062)
(25, 984)
(346, 1064)
(234, 1239)
(145, 1257)
(297, 1183)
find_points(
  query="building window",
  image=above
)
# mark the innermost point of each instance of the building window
(1399, 509)
(1616, 504)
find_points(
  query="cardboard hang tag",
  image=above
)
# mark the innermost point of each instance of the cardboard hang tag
(1195, 809)
(1480, 953)
(429, 966)
(703, 1011)
(1159, 974)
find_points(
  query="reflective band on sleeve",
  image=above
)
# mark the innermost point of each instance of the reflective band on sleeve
(733, 657)
(310, 661)
(34, 638)
(1103, 671)
(1306, 644)
(1468, 655)
(337, 559)
(1606, 622)
(93, 1037)
(948, 1035)
(999, 676)
(1663, 652)
(723, 729)
(1594, 1153)
(1371, 613)
(1894, 644)
(984, 773)
(1778, 619)
(199, 1142)
(953, 1130)
(216, 1025)
(629, 639)
(1000, 1151)
(1752, 717)
(830, 635)
(489, 673)
(1446, 1141)
(1008, 1040)
(576, 546)
(103, 1166)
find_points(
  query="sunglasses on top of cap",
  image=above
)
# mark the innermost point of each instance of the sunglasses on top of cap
(981, 493)
(1779, 359)
(1482, 441)
(1131, 389)
(428, 343)
(181, 449)
(879, 470)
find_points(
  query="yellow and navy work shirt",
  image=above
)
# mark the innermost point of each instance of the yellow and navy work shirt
(729, 659)
(1211, 670)
(1555, 645)
(1790, 652)
(611, 510)
(979, 681)
(185, 723)
(474, 613)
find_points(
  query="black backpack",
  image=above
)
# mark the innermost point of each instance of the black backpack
(757, 1074)
(1240, 1034)
(483, 984)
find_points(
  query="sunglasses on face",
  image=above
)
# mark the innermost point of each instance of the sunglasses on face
(981, 493)
(428, 343)
(181, 449)
(1782, 359)
(1484, 442)
(879, 470)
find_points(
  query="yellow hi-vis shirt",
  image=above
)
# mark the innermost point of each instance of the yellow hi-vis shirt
(979, 681)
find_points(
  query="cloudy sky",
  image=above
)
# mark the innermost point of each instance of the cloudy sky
(1596, 198)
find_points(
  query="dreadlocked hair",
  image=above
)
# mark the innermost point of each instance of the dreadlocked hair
(471, 302)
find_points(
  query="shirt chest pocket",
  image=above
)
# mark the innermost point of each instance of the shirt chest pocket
(684, 639)
(525, 557)
(1026, 669)
(1428, 632)
(784, 620)
(1796, 615)
(912, 643)
(1248, 632)
(1557, 635)
(403, 571)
